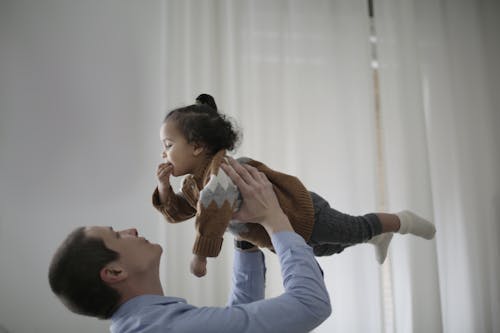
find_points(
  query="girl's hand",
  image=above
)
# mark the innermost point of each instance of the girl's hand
(163, 173)
(199, 266)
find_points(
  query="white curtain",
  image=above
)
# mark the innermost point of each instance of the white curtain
(296, 77)
(439, 86)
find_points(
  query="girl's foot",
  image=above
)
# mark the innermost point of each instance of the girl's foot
(416, 225)
(381, 243)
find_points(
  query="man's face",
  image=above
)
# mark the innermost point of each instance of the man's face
(137, 254)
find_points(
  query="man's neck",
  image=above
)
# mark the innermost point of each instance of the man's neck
(141, 287)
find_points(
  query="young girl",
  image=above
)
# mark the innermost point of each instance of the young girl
(196, 138)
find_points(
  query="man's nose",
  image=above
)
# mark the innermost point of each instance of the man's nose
(164, 154)
(129, 232)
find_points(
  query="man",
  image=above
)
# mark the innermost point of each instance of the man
(108, 274)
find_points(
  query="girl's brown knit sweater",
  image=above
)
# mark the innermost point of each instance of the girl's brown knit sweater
(212, 197)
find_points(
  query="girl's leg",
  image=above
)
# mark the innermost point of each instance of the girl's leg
(333, 231)
(342, 230)
(326, 249)
(389, 222)
(406, 222)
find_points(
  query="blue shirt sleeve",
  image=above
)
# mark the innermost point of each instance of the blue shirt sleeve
(248, 281)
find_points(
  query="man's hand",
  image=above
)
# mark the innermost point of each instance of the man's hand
(260, 204)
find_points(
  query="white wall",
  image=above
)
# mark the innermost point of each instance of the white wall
(81, 99)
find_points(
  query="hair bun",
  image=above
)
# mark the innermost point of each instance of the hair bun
(208, 100)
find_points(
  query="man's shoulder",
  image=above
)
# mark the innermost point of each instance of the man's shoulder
(149, 312)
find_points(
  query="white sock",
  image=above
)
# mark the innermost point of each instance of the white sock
(381, 243)
(416, 225)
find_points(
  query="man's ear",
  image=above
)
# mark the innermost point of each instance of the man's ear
(113, 273)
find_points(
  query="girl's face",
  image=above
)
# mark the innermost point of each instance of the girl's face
(184, 156)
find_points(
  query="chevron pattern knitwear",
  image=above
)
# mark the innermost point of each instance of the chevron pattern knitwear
(212, 198)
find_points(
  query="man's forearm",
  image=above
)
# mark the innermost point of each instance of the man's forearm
(302, 307)
(248, 281)
(277, 223)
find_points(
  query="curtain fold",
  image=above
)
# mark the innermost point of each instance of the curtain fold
(414, 261)
(441, 119)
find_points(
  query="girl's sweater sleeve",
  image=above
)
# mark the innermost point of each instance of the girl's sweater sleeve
(176, 208)
(218, 199)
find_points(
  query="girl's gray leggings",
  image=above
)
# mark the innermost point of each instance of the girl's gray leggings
(333, 231)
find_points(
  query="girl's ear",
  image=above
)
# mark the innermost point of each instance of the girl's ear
(113, 273)
(198, 149)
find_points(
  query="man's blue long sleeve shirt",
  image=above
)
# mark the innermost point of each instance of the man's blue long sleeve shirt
(303, 305)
